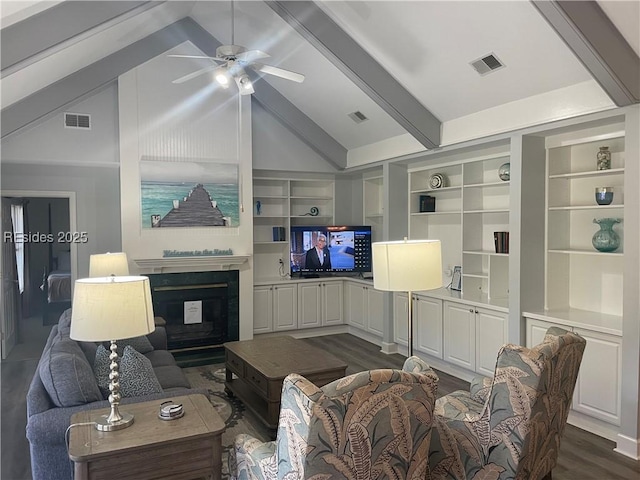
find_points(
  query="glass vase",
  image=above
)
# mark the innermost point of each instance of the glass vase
(604, 158)
(606, 239)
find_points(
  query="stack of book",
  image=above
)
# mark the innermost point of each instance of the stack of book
(427, 203)
(279, 234)
(501, 240)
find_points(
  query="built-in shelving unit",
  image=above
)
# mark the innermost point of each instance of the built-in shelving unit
(579, 276)
(285, 202)
(373, 203)
(472, 204)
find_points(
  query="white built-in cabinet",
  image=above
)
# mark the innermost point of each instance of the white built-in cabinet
(427, 323)
(275, 308)
(597, 392)
(320, 304)
(364, 307)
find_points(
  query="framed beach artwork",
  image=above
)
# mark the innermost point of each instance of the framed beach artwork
(189, 194)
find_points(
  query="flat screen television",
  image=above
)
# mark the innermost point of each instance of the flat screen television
(333, 249)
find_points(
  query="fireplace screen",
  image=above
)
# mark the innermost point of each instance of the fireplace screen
(197, 314)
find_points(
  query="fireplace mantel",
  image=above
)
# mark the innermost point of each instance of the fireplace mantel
(190, 264)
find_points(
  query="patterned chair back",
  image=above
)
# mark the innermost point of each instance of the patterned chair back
(373, 424)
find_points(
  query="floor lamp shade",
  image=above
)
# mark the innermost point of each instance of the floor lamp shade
(111, 308)
(108, 264)
(407, 265)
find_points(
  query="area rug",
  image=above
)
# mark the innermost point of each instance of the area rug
(236, 418)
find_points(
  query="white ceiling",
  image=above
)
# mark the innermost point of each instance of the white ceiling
(426, 45)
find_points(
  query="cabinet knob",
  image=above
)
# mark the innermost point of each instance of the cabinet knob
(471, 310)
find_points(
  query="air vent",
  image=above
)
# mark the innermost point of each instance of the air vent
(487, 64)
(77, 120)
(358, 116)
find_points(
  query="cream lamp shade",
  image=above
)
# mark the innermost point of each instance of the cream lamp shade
(111, 308)
(108, 264)
(407, 265)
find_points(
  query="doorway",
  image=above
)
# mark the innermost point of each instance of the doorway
(47, 216)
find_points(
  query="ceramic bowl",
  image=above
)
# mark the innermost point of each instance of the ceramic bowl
(604, 195)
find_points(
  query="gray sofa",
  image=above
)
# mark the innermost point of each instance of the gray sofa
(64, 384)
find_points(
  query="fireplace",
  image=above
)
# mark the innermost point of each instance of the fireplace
(201, 309)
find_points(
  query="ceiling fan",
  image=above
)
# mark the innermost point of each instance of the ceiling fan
(232, 61)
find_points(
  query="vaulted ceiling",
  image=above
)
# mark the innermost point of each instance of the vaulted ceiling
(405, 65)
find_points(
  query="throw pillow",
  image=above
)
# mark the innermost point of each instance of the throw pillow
(64, 323)
(67, 375)
(137, 377)
(141, 344)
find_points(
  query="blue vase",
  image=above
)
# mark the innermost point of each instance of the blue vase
(605, 239)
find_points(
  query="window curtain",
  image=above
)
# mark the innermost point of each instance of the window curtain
(20, 220)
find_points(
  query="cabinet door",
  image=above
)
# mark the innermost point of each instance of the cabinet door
(332, 303)
(354, 301)
(400, 319)
(309, 305)
(263, 309)
(427, 320)
(460, 335)
(285, 307)
(375, 310)
(536, 330)
(597, 390)
(491, 333)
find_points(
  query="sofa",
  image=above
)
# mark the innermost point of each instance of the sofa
(65, 383)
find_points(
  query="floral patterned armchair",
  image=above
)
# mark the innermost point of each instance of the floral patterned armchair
(373, 424)
(509, 426)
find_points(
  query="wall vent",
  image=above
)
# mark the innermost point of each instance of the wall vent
(487, 64)
(358, 116)
(77, 120)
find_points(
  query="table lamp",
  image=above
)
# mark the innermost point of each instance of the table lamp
(110, 309)
(407, 266)
(108, 264)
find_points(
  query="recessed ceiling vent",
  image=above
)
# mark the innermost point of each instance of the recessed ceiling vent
(358, 116)
(77, 120)
(487, 64)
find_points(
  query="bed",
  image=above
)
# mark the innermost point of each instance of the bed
(56, 286)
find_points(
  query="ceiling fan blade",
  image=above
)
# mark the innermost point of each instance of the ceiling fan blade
(278, 72)
(251, 55)
(195, 74)
(198, 56)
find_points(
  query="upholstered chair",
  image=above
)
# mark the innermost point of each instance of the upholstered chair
(509, 426)
(373, 424)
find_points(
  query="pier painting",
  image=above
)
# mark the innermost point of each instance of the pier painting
(189, 194)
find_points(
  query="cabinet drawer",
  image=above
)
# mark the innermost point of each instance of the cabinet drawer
(256, 380)
(235, 363)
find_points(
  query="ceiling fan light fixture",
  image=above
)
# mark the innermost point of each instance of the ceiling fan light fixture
(222, 77)
(244, 84)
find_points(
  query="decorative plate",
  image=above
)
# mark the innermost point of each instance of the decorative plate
(437, 180)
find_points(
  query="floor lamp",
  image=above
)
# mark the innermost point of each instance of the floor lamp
(407, 266)
(110, 309)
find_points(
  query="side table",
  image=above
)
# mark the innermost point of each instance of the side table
(183, 449)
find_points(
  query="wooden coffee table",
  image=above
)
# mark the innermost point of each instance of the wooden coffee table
(260, 366)
(186, 448)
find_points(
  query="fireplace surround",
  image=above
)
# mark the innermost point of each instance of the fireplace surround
(201, 309)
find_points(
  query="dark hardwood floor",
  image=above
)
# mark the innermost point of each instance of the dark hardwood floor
(583, 456)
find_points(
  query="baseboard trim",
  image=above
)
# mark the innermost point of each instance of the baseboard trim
(593, 425)
(389, 348)
(627, 446)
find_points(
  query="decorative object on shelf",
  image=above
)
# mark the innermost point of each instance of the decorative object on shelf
(258, 207)
(456, 279)
(604, 158)
(313, 211)
(604, 195)
(606, 239)
(216, 252)
(504, 172)
(437, 180)
(501, 241)
(427, 203)
(407, 266)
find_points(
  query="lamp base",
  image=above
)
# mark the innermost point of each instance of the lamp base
(104, 425)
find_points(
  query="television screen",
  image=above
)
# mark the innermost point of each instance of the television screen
(316, 249)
